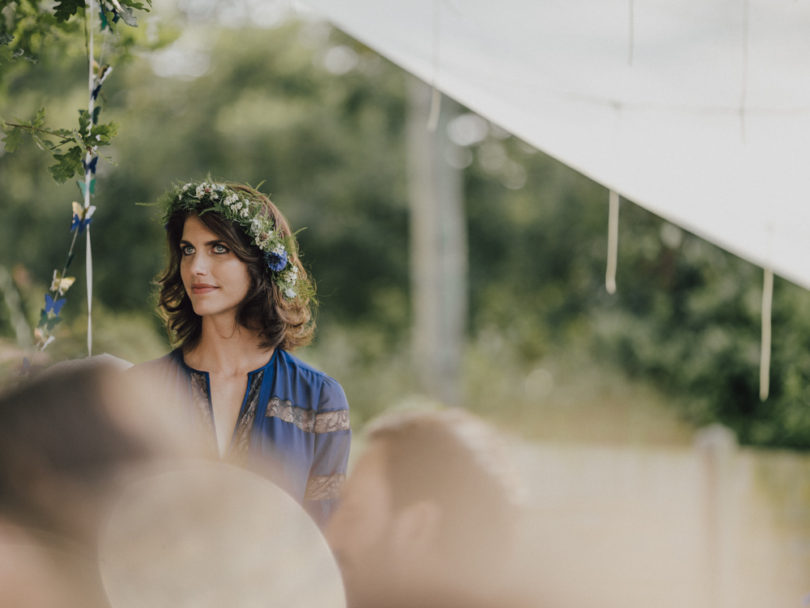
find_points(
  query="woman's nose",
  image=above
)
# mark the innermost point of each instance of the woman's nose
(199, 265)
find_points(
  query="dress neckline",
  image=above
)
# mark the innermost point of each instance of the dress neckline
(178, 354)
(201, 395)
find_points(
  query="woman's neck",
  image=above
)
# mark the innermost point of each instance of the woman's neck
(227, 348)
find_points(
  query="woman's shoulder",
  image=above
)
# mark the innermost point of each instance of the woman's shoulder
(305, 374)
(298, 365)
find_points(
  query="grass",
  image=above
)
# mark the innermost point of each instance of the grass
(565, 396)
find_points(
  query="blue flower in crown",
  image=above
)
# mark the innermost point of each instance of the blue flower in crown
(276, 259)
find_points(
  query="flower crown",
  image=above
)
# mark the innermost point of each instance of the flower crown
(254, 219)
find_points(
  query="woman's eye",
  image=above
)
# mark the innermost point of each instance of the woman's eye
(220, 248)
(186, 249)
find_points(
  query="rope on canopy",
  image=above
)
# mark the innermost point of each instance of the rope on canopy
(613, 242)
(765, 348)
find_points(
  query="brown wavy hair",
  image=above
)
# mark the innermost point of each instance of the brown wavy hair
(281, 322)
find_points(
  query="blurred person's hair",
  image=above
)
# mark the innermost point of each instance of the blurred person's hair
(457, 461)
(281, 322)
(60, 445)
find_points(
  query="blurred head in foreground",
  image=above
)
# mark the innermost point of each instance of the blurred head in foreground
(61, 446)
(68, 438)
(213, 535)
(428, 514)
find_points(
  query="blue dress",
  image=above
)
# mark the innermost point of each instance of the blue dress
(293, 425)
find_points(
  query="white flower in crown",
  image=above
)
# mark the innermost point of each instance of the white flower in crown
(262, 239)
(255, 227)
(186, 187)
(245, 213)
(219, 187)
(237, 205)
(230, 200)
(200, 191)
(288, 280)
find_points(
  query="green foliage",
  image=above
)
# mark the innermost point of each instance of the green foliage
(67, 164)
(25, 27)
(12, 138)
(686, 315)
(20, 21)
(112, 11)
(65, 9)
(88, 136)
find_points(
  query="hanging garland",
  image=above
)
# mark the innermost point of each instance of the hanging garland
(75, 151)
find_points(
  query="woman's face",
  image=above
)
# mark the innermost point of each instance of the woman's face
(215, 279)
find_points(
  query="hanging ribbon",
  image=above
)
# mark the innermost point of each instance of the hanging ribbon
(89, 272)
(95, 79)
(613, 242)
(765, 352)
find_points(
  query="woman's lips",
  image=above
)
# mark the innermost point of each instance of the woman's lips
(202, 288)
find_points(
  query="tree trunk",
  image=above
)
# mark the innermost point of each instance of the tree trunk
(438, 245)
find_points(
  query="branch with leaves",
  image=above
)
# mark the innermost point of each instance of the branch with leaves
(67, 146)
(75, 151)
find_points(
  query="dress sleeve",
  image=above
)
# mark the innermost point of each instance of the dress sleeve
(332, 442)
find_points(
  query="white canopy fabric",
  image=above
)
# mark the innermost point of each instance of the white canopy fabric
(698, 110)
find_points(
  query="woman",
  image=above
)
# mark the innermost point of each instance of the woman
(236, 299)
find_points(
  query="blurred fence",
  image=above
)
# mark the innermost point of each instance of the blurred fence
(714, 525)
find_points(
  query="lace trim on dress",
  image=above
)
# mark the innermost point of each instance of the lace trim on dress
(199, 399)
(241, 439)
(324, 487)
(307, 420)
